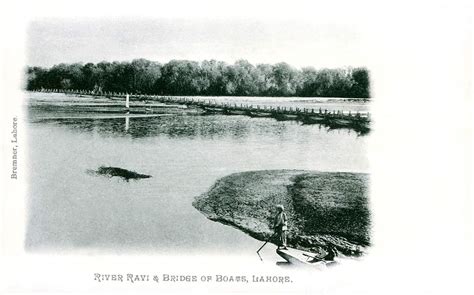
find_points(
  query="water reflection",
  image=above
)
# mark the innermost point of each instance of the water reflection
(215, 126)
(127, 123)
(190, 126)
(186, 154)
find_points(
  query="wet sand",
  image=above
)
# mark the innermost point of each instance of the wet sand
(325, 209)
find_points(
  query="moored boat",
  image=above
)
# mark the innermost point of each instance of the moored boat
(254, 114)
(299, 257)
(234, 112)
(284, 117)
(312, 119)
(213, 110)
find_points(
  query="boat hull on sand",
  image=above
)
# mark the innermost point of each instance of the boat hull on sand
(303, 258)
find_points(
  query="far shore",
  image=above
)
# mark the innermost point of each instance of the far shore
(313, 99)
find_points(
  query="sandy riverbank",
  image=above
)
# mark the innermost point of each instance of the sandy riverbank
(324, 208)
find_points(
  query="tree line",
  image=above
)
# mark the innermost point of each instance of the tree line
(207, 78)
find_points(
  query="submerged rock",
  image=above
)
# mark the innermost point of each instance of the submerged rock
(324, 209)
(119, 172)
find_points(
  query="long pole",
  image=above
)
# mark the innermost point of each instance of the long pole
(268, 240)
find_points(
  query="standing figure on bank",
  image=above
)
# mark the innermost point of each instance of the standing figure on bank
(280, 225)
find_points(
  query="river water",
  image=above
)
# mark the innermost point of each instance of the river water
(73, 210)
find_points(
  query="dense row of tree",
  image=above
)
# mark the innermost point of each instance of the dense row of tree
(182, 77)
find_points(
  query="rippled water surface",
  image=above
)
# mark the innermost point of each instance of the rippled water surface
(70, 209)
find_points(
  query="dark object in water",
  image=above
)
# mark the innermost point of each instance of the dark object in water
(258, 114)
(211, 110)
(120, 172)
(234, 112)
(307, 120)
(284, 117)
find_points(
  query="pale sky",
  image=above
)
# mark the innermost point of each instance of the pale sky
(52, 41)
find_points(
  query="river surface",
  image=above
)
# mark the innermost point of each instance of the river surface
(73, 210)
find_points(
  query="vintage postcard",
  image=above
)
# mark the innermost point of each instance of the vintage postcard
(244, 147)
